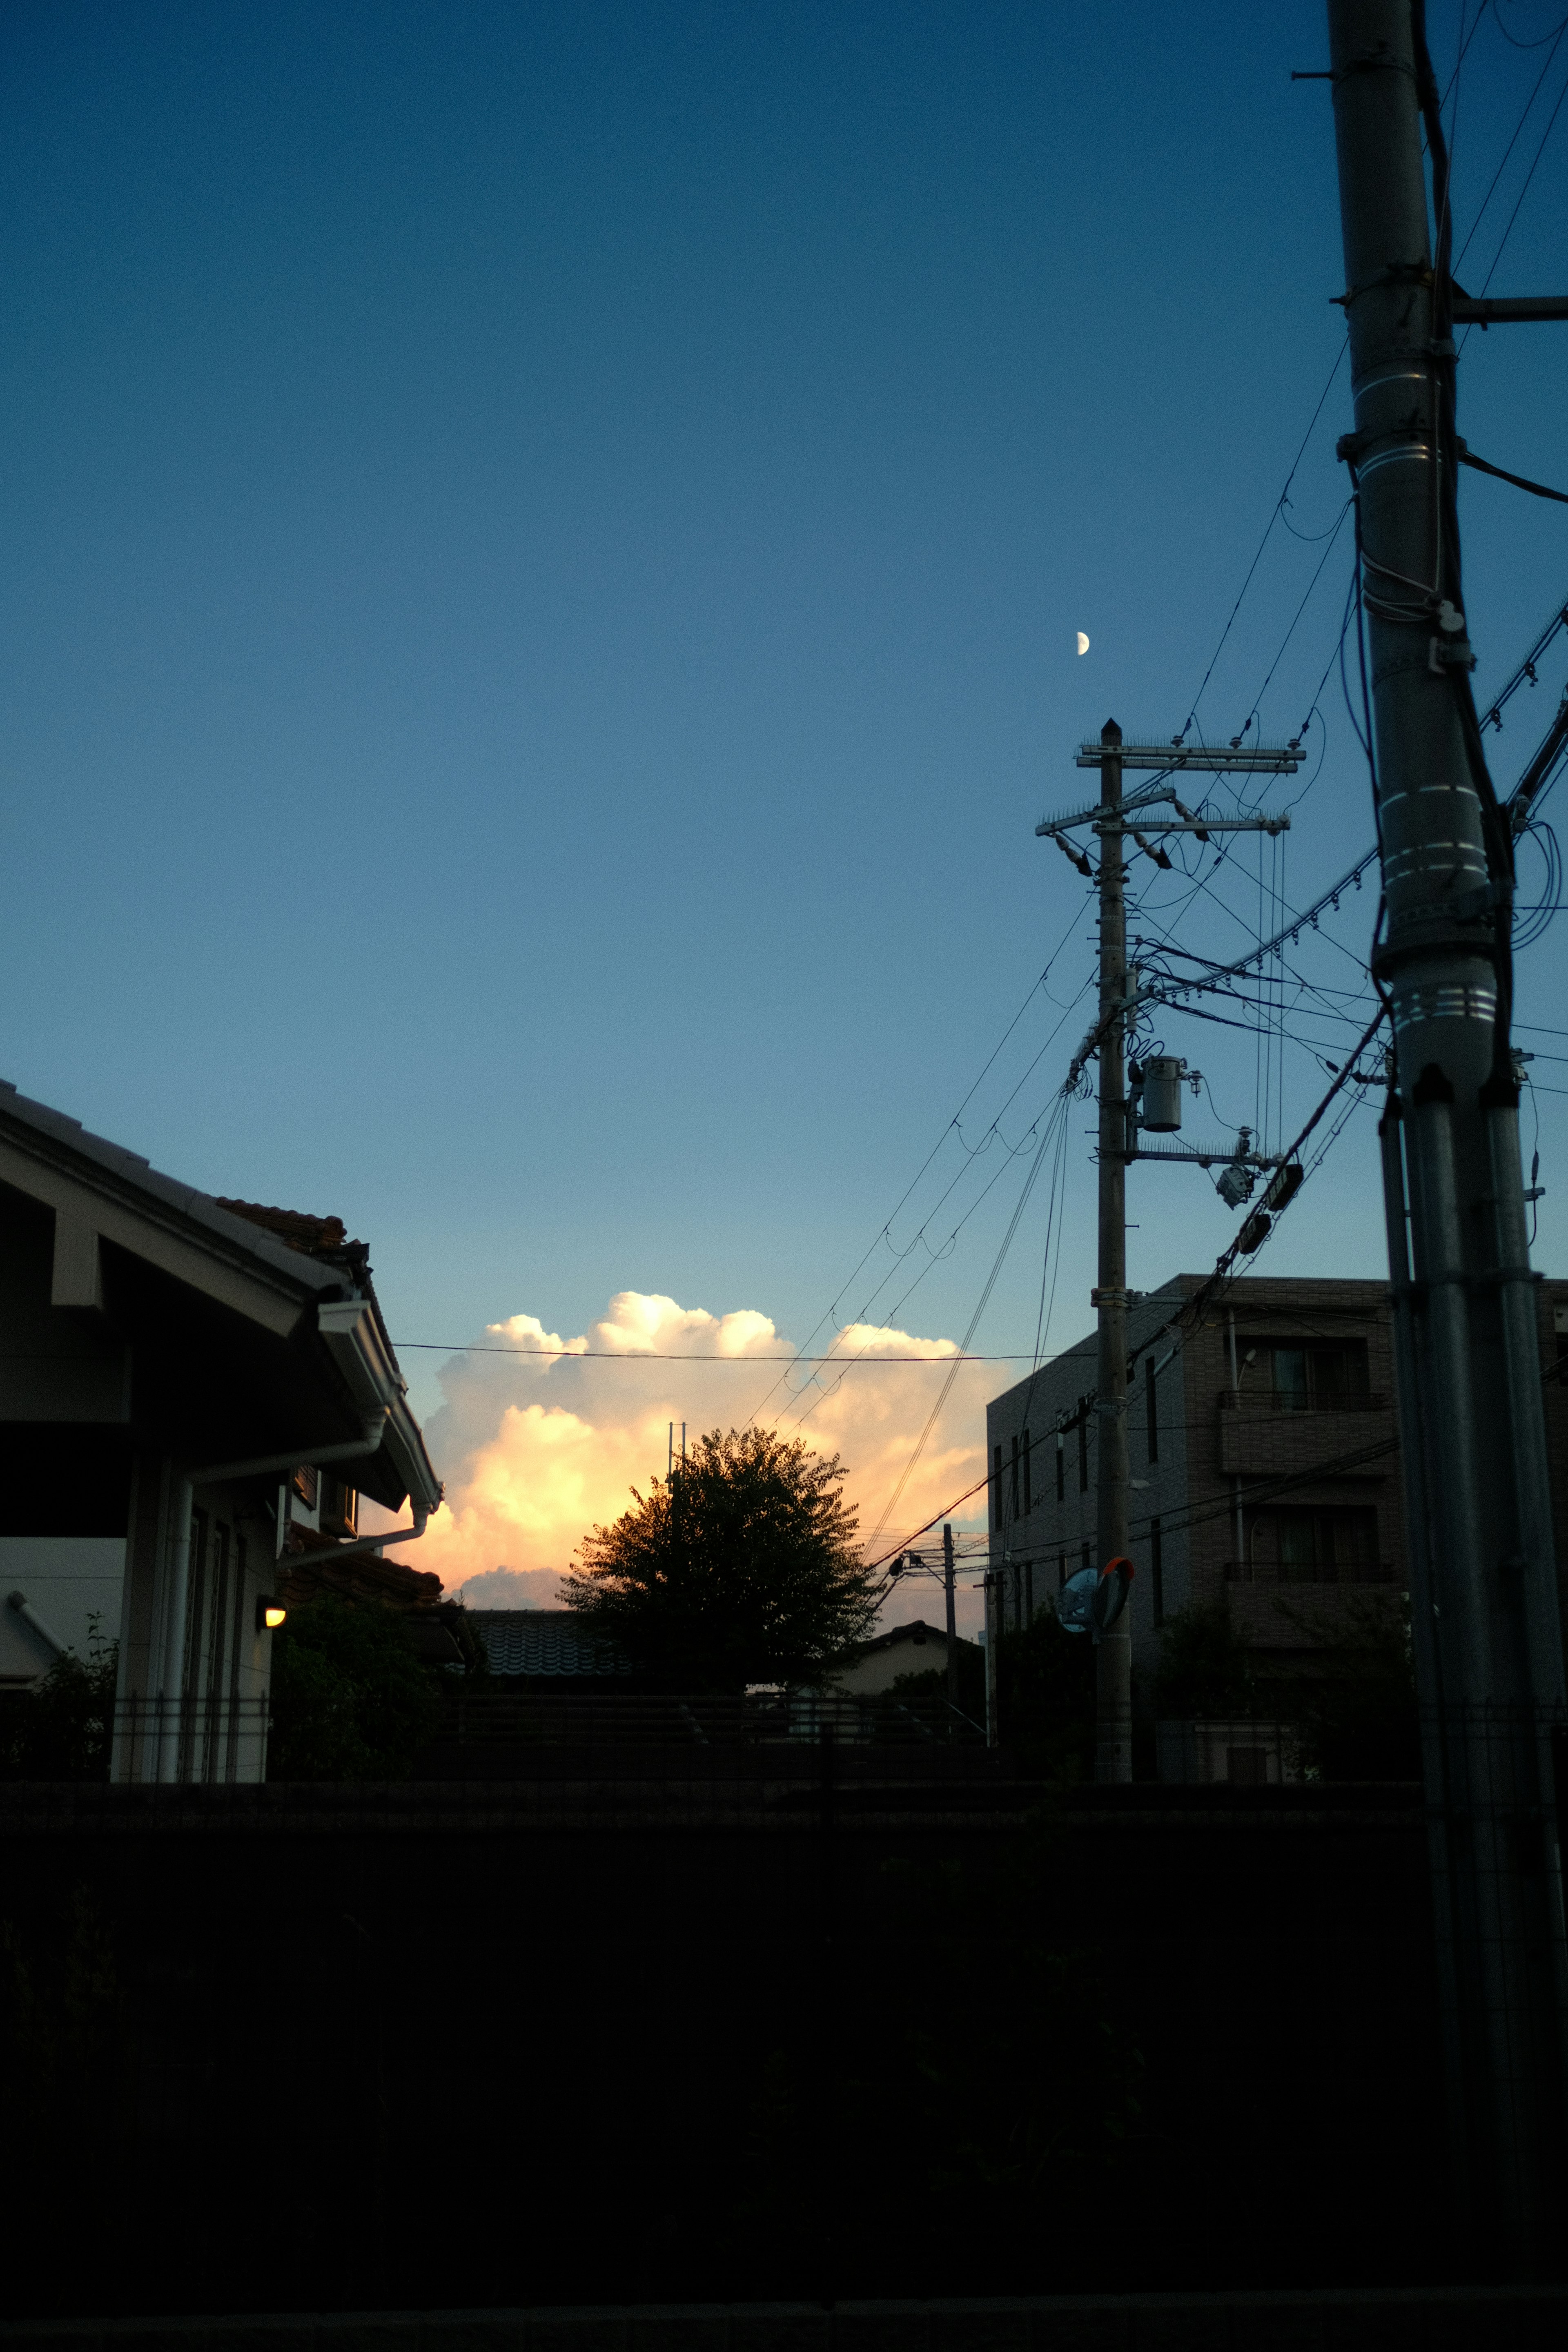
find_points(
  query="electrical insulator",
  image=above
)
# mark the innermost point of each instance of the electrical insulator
(1162, 1094)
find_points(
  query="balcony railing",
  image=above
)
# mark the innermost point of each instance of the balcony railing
(1372, 1571)
(1267, 1401)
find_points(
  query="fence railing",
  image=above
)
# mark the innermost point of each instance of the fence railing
(755, 1719)
(193, 1739)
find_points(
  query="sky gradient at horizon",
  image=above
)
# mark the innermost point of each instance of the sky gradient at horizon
(544, 551)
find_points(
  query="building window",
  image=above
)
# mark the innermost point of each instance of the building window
(1013, 1489)
(340, 1508)
(1061, 1569)
(996, 1481)
(1028, 1489)
(1083, 1448)
(306, 1482)
(1308, 1544)
(1152, 1402)
(1304, 1375)
(1061, 1467)
(1157, 1570)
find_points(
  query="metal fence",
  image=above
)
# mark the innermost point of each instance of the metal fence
(755, 1719)
(1240, 1752)
(193, 1739)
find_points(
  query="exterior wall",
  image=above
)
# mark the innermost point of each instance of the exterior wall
(211, 1723)
(1032, 1552)
(905, 1654)
(70, 1580)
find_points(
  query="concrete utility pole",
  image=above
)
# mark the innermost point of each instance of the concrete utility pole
(1487, 1641)
(1113, 1658)
(1112, 819)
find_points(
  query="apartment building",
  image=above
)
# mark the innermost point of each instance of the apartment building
(1264, 1461)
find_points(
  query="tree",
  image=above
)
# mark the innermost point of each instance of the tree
(1206, 1663)
(1355, 1708)
(740, 1567)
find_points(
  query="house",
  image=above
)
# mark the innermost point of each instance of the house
(916, 1648)
(193, 1394)
(1264, 1461)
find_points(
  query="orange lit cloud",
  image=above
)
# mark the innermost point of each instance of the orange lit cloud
(539, 1440)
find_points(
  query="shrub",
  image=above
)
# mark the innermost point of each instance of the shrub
(350, 1700)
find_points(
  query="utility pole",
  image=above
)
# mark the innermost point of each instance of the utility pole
(1113, 818)
(1484, 1621)
(1113, 1657)
(949, 1580)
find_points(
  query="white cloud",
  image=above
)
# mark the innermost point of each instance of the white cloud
(540, 1438)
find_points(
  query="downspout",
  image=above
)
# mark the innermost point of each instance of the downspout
(172, 1661)
(368, 1543)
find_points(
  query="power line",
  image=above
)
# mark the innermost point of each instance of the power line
(952, 1124)
(1273, 519)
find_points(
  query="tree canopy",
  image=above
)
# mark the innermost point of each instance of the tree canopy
(742, 1567)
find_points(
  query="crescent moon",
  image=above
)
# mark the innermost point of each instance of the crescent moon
(1082, 642)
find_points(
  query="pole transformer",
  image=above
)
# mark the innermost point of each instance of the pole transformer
(1484, 1598)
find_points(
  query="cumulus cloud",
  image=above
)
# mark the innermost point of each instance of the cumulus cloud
(540, 1438)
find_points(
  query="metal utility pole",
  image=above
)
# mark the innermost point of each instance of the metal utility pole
(1113, 1658)
(1112, 820)
(1484, 1621)
(949, 1580)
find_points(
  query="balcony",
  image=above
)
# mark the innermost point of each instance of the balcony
(1264, 1435)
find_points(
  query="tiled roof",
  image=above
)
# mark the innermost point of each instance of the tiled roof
(314, 1235)
(542, 1642)
(311, 1567)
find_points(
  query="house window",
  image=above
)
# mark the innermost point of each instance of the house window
(306, 1482)
(340, 1508)
(1157, 1571)
(1308, 1544)
(1152, 1403)
(1310, 1375)
(996, 1481)
(1061, 1569)
(1062, 1468)
(1083, 1448)
(1013, 1491)
(1028, 1490)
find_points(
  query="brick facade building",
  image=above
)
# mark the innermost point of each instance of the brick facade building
(1264, 1457)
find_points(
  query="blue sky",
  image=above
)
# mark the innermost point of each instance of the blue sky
(541, 555)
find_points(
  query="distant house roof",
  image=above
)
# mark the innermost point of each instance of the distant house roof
(916, 1631)
(542, 1642)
